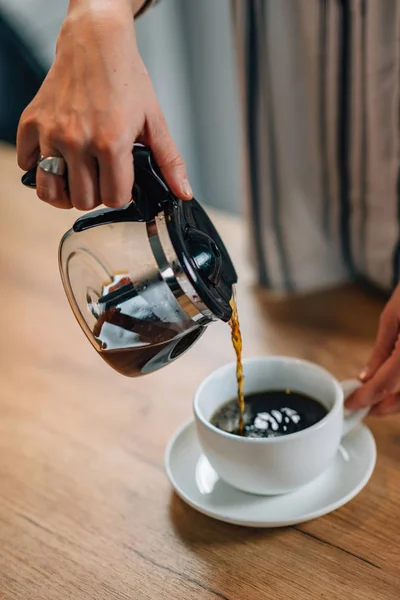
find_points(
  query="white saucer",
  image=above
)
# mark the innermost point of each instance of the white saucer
(196, 482)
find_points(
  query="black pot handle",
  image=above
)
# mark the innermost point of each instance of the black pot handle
(149, 193)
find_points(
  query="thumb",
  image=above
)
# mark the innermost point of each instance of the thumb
(168, 158)
(385, 342)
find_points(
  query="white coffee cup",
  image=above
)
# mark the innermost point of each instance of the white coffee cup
(274, 465)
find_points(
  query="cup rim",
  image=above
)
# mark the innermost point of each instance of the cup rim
(272, 440)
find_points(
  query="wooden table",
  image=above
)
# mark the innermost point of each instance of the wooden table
(86, 511)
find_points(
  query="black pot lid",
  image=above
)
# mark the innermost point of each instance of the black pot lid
(202, 254)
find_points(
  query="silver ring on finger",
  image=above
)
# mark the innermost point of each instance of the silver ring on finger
(55, 165)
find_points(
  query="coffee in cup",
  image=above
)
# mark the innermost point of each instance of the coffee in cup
(272, 413)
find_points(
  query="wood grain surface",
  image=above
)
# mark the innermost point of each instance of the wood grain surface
(86, 511)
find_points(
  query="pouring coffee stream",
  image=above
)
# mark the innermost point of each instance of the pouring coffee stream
(144, 281)
(237, 345)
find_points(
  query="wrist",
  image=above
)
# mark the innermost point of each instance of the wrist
(88, 18)
(111, 12)
(94, 5)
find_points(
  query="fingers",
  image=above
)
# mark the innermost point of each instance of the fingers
(116, 175)
(383, 384)
(27, 142)
(381, 376)
(49, 187)
(167, 157)
(386, 338)
(83, 181)
(390, 405)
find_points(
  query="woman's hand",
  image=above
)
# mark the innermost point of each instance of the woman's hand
(95, 102)
(381, 376)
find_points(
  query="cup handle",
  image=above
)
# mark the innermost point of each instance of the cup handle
(351, 417)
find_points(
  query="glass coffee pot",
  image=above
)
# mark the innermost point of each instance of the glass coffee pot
(145, 281)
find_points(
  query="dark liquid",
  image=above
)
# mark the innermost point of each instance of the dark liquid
(160, 344)
(133, 362)
(270, 414)
(237, 345)
(156, 343)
